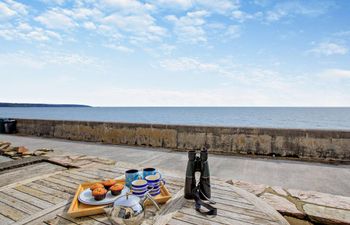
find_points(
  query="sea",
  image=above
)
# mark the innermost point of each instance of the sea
(335, 118)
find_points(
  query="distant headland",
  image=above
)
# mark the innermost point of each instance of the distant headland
(6, 104)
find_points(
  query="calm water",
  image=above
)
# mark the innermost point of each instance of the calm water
(317, 118)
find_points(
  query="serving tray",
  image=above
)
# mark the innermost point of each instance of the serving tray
(78, 209)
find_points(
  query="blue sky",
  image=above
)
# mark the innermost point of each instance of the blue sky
(176, 52)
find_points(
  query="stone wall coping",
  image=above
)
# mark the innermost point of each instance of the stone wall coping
(292, 132)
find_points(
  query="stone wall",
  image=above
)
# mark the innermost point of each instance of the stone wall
(306, 144)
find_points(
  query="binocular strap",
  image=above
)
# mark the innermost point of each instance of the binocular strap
(211, 210)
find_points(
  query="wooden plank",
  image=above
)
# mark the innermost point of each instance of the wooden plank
(39, 194)
(193, 216)
(175, 221)
(4, 220)
(82, 220)
(18, 204)
(225, 192)
(61, 182)
(229, 215)
(10, 164)
(230, 198)
(260, 204)
(55, 186)
(79, 173)
(102, 174)
(234, 203)
(25, 181)
(28, 198)
(67, 179)
(50, 191)
(101, 218)
(238, 209)
(170, 208)
(113, 170)
(174, 182)
(59, 221)
(192, 219)
(93, 172)
(82, 179)
(38, 216)
(17, 174)
(11, 213)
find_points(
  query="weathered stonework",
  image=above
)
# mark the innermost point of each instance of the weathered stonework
(326, 215)
(302, 207)
(304, 144)
(282, 205)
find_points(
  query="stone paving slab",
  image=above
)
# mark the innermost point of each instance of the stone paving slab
(327, 215)
(4, 159)
(283, 205)
(310, 206)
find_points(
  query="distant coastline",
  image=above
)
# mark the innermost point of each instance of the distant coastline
(5, 104)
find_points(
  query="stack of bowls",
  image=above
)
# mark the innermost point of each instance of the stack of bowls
(154, 181)
(139, 188)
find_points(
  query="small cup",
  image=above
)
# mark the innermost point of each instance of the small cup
(148, 171)
(130, 176)
(155, 180)
(139, 187)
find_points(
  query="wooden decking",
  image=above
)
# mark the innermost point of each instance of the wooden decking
(43, 198)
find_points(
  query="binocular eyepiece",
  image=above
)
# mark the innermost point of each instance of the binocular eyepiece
(192, 155)
(197, 163)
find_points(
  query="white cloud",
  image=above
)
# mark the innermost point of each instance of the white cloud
(82, 13)
(217, 6)
(128, 6)
(89, 25)
(5, 11)
(337, 73)
(141, 28)
(294, 8)
(24, 31)
(245, 74)
(183, 4)
(10, 8)
(55, 19)
(120, 48)
(19, 8)
(46, 58)
(189, 28)
(232, 31)
(24, 27)
(187, 64)
(57, 2)
(329, 48)
(242, 16)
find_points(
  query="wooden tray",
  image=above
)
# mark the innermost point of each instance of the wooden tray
(78, 209)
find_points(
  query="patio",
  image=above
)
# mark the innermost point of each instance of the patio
(40, 191)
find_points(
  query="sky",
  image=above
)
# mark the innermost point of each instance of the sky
(175, 52)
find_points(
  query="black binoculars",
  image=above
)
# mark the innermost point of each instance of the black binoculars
(197, 164)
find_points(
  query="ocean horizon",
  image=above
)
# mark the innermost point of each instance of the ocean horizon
(335, 118)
